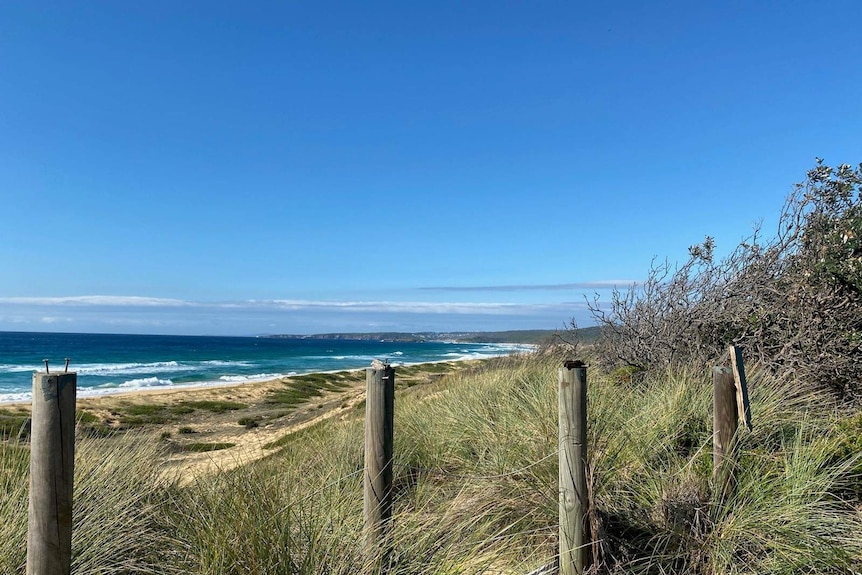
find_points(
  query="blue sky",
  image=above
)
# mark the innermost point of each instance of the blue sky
(300, 167)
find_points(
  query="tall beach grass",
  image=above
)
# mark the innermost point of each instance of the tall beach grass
(476, 487)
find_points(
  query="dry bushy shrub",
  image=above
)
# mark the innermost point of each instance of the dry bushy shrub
(793, 301)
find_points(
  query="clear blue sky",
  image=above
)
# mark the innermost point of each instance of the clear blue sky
(299, 167)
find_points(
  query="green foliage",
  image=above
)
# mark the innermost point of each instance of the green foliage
(201, 447)
(143, 409)
(95, 429)
(214, 406)
(441, 367)
(300, 388)
(626, 374)
(181, 409)
(293, 438)
(833, 230)
(793, 300)
(119, 509)
(847, 450)
(85, 417)
(475, 483)
(14, 425)
(249, 422)
(139, 414)
(141, 420)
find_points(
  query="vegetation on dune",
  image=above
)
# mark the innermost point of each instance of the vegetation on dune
(476, 451)
(14, 423)
(249, 422)
(140, 415)
(201, 447)
(120, 525)
(299, 388)
(476, 487)
(792, 300)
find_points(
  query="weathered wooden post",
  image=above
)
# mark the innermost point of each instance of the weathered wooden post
(725, 420)
(379, 418)
(572, 467)
(743, 406)
(52, 466)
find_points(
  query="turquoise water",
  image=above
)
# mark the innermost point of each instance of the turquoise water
(118, 363)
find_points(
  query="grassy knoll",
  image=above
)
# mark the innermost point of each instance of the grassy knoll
(476, 486)
(301, 388)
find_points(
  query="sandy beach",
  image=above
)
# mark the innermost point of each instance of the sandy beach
(220, 427)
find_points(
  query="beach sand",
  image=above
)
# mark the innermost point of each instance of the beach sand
(218, 428)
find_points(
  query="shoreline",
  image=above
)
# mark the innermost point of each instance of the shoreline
(167, 390)
(212, 428)
(87, 393)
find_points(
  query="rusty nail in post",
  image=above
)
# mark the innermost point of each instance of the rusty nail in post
(46, 365)
(66, 370)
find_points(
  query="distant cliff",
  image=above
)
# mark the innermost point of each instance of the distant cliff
(380, 336)
(530, 336)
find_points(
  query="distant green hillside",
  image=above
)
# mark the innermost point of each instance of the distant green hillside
(534, 336)
(529, 336)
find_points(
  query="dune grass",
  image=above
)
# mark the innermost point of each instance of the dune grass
(300, 388)
(202, 447)
(139, 414)
(476, 487)
(118, 513)
(13, 423)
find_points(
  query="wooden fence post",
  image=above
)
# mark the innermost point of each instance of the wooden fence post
(52, 467)
(725, 420)
(743, 406)
(377, 500)
(572, 467)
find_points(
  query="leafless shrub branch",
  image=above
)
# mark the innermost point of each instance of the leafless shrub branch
(793, 301)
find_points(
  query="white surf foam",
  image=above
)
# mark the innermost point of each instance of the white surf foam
(250, 378)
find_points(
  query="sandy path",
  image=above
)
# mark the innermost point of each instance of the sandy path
(250, 445)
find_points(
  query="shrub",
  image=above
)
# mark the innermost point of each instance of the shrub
(249, 422)
(203, 447)
(214, 406)
(794, 301)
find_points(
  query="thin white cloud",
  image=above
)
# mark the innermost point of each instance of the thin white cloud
(96, 300)
(131, 303)
(413, 307)
(136, 314)
(600, 284)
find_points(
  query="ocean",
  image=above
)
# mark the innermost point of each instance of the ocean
(120, 363)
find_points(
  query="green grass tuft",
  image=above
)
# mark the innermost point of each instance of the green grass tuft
(249, 422)
(202, 447)
(214, 406)
(299, 389)
(85, 417)
(14, 426)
